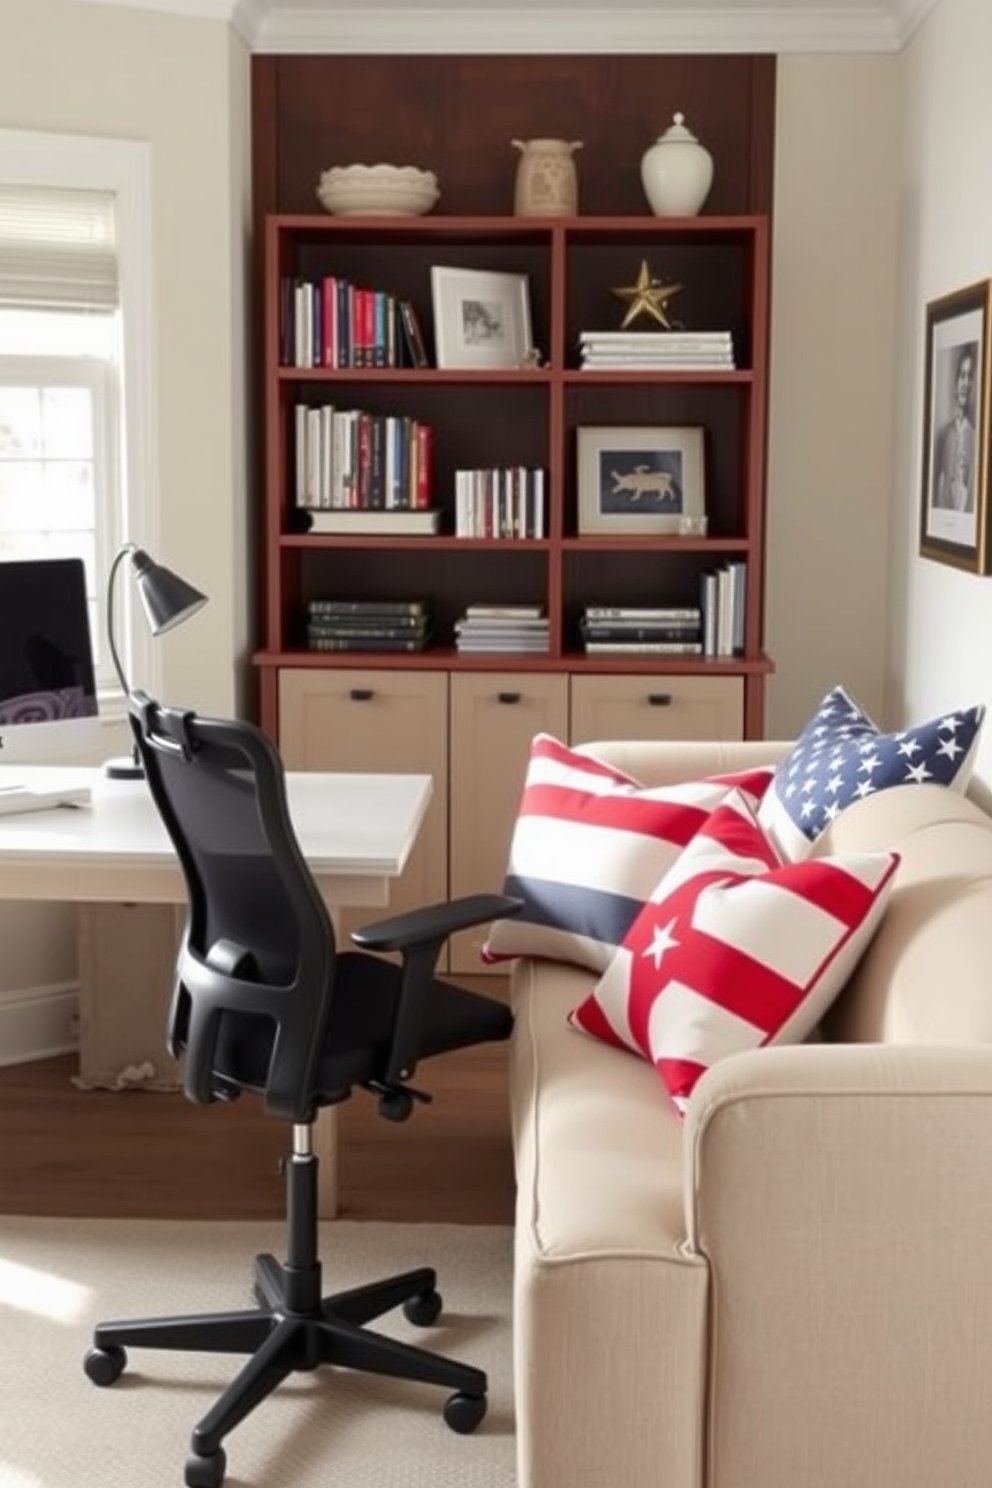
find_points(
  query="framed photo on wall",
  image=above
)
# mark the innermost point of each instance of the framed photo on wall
(641, 480)
(481, 319)
(954, 496)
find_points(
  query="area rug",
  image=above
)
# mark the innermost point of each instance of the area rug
(327, 1429)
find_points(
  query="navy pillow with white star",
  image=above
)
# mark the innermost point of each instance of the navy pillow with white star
(842, 756)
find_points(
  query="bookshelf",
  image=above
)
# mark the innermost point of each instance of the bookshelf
(526, 417)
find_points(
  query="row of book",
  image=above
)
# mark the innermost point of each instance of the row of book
(367, 625)
(486, 628)
(503, 502)
(671, 351)
(722, 595)
(624, 630)
(332, 322)
(348, 459)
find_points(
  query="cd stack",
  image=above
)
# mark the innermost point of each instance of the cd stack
(487, 628)
(672, 351)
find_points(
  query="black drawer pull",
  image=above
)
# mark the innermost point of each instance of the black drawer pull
(659, 699)
(361, 694)
(508, 697)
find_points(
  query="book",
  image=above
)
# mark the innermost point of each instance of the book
(376, 523)
(688, 632)
(366, 607)
(413, 335)
(643, 612)
(378, 643)
(345, 625)
(503, 612)
(631, 648)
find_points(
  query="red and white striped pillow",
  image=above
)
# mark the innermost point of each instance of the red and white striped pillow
(735, 949)
(589, 845)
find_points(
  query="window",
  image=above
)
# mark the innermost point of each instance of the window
(59, 435)
(75, 474)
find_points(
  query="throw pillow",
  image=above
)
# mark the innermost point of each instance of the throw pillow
(589, 845)
(735, 949)
(841, 755)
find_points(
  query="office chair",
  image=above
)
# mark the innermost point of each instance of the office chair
(264, 1002)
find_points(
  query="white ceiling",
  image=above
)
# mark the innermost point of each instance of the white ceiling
(453, 26)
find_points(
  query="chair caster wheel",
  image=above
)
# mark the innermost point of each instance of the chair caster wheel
(206, 1471)
(464, 1412)
(423, 1310)
(104, 1365)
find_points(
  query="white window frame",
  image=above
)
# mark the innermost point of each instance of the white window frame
(123, 167)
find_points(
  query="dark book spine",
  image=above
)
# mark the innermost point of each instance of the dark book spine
(413, 334)
(335, 643)
(366, 607)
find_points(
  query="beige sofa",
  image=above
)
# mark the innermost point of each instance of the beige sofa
(791, 1289)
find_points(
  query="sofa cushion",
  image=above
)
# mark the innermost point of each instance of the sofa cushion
(735, 949)
(841, 756)
(589, 845)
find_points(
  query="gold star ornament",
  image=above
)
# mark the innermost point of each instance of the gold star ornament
(648, 296)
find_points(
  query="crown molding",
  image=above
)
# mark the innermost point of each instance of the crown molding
(321, 26)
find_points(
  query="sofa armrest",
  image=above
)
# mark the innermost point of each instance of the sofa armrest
(842, 1198)
(656, 762)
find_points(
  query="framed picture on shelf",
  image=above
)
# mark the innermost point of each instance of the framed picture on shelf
(481, 318)
(641, 480)
(954, 496)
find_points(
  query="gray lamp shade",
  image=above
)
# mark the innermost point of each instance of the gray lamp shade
(167, 599)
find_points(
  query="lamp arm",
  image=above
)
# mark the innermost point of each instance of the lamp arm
(124, 552)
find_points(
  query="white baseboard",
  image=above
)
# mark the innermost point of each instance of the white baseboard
(38, 1022)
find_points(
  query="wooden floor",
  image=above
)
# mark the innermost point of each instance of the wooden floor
(146, 1154)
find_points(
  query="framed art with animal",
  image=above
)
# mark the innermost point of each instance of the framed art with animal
(641, 480)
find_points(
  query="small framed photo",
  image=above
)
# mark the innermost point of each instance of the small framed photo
(641, 480)
(954, 499)
(481, 319)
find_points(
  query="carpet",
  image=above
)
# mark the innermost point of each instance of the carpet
(326, 1429)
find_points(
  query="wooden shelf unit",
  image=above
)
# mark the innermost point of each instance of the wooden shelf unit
(526, 417)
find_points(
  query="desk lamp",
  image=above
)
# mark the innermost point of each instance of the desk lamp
(168, 600)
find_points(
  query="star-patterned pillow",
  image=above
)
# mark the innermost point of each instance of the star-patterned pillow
(735, 949)
(841, 756)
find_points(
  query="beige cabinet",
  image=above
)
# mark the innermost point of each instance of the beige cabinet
(655, 707)
(376, 721)
(494, 717)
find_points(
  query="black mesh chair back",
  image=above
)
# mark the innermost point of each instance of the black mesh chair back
(259, 943)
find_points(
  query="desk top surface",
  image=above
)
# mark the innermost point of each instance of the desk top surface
(347, 822)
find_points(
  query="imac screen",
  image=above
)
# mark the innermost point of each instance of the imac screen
(48, 703)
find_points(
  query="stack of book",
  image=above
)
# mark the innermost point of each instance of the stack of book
(367, 625)
(672, 351)
(620, 630)
(502, 628)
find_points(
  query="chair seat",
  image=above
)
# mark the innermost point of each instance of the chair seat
(360, 1026)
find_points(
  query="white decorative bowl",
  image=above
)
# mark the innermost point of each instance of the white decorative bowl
(377, 190)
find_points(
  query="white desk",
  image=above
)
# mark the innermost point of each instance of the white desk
(356, 832)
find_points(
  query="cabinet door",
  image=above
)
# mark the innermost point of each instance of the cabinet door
(494, 717)
(376, 721)
(656, 707)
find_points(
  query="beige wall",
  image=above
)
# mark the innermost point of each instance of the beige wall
(940, 619)
(834, 293)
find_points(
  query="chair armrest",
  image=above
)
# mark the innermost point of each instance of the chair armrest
(434, 922)
(420, 935)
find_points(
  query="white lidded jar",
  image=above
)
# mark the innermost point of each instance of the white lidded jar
(676, 172)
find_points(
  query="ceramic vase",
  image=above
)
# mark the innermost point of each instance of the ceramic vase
(676, 172)
(547, 184)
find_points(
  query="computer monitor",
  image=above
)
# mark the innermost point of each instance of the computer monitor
(48, 703)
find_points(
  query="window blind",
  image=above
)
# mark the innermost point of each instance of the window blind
(57, 248)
